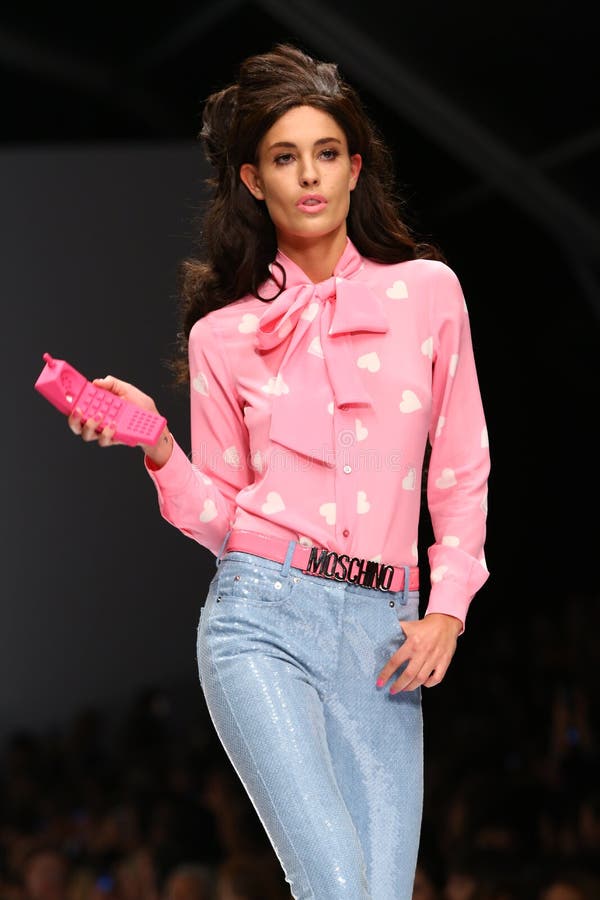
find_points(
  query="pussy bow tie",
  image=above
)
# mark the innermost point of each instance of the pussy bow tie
(319, 368)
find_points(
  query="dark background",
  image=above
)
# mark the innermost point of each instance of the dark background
(493, 116)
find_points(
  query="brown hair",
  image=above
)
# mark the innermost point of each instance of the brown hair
(236, 231)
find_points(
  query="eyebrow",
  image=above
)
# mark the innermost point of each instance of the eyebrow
(325, 140)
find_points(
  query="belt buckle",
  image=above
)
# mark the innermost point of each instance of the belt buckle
(374, 575)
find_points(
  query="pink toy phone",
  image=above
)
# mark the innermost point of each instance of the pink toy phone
(66, 388)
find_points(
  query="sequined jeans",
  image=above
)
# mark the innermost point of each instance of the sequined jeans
(332, 764)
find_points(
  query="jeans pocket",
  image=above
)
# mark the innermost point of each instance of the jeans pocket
(407, 612)
(252, 584)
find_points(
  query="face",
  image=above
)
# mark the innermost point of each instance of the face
(423, 888)
(304, 176)
(46, 874)
(184, 887)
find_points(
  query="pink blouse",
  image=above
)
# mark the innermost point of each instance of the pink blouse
(310, 415)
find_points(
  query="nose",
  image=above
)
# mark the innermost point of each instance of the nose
(308, 173)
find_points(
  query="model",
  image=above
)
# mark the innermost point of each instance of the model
(328, 356)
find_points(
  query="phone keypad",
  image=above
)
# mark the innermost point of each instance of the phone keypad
(132, 424)
(96, 403)
(142, 423)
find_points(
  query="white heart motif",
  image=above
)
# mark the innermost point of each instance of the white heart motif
(453, 364)
(362, 504)
(205, 478)
(248, 323)
(330, 408)
(410, 402)
(310, 311)
(369, 361)
(440, 425)
(427, 348)
(275, 385)
(232, 457)
(447, 479)
(200, 384)
(328, 511)
(273, 504)
(398, 291)
(376, 559)
(361, 431)
(306, 542)
(315, 348)
(438, 573)
(409, 481)
(450, 540)
(209, 511)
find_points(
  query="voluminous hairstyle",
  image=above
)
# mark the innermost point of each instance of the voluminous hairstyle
(237, 234)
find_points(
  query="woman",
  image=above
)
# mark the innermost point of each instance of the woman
(324, 346)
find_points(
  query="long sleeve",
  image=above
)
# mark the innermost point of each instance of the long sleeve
(460, 463)
(198, 496)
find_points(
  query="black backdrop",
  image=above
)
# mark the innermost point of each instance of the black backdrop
(100, 595)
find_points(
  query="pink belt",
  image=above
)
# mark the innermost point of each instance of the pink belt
(325, 563)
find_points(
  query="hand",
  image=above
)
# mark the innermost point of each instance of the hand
(430, 644)
(89, 431)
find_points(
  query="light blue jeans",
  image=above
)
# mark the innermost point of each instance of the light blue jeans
(332, 764)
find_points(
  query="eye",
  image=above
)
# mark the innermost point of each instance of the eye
(283, 159)
(330, 153)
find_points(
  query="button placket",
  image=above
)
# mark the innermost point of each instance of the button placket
(344, 447)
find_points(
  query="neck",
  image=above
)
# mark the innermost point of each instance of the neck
(318, 257)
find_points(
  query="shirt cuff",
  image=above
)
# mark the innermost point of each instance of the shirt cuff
(448, 597)
(174, 476)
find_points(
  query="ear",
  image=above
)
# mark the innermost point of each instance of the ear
(250, 177)
(355, 167)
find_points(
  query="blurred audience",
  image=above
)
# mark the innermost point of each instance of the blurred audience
(189, 881)
(149, 808)
(249, 877)
(45, 874)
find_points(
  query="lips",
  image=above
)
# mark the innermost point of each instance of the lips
(311, 203)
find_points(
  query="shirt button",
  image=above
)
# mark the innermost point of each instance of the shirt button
(347, 469)
(345, 532)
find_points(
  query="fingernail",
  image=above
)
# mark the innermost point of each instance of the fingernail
(380, 682)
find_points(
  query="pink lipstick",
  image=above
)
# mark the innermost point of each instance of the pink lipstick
(312, 203)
